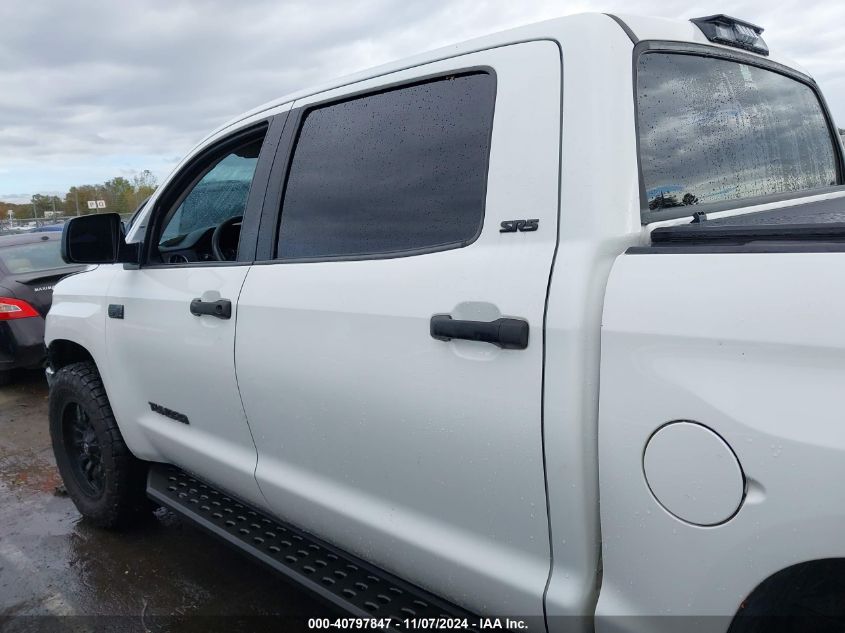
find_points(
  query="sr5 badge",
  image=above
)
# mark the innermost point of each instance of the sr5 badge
(512, 226)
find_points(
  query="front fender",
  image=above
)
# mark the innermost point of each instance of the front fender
(78, 315)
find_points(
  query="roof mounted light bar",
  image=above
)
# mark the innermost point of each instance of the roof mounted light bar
(729, 31)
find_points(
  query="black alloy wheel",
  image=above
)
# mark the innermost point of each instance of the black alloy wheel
(83, 449)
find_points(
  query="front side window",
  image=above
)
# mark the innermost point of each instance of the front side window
(712, 130)
(219, 195)
(394, 171)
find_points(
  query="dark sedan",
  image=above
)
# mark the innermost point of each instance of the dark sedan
(30, 265)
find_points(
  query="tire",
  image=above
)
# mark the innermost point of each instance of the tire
(103, 479)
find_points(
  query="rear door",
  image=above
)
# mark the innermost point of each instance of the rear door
(416, 209)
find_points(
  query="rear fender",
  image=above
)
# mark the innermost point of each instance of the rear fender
(750, 346)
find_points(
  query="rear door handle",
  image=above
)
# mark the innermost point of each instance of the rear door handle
(222, 308)
(504, 333)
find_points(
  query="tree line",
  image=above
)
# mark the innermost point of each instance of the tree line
(121, 195)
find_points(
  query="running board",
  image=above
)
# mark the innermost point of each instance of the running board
(341, 578)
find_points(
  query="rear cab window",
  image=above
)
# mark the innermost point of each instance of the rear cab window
(714, 130)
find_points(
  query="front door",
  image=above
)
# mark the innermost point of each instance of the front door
(172, 333)
(432, 192)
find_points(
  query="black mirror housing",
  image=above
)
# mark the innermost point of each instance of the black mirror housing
(96, 239)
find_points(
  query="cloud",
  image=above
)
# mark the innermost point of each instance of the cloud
(88, 89)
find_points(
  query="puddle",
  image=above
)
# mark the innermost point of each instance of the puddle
(53, 563)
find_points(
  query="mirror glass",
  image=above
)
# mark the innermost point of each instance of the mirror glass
(92, 239)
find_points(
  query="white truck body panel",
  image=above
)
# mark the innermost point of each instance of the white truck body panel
(389, 442)
(754, 350)
(160, 346)
(299, 412)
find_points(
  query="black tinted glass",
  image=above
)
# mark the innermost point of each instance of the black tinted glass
(398, 170)
(714, 129)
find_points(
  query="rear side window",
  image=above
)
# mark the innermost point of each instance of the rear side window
(399, 170)
(714, 130)
(29, 258)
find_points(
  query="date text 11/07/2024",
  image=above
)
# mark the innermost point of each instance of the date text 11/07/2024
(431, 624)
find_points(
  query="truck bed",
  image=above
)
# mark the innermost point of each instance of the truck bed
(818, 225)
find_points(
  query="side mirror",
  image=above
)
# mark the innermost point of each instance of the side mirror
(96, 239)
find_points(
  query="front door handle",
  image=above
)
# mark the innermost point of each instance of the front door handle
(222, 308)
(504, 333)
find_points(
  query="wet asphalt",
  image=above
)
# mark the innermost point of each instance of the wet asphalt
(58, 572)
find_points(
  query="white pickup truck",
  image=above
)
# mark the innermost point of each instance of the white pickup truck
(548, 327)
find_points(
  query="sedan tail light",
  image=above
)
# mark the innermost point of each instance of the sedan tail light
(15, 309)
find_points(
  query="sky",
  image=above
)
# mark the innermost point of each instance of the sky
(90, 89)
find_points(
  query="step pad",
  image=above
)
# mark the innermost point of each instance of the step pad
(343, 579)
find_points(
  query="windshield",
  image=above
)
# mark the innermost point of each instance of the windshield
(27, 258)
(135, 214)
(712, 130)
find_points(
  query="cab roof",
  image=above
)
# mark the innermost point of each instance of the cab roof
(639, 28)
(651, 28)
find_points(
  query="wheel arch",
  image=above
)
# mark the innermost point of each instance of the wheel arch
(63, 352)
(810, 587)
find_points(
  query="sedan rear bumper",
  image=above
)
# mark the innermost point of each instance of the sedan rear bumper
(22, 343)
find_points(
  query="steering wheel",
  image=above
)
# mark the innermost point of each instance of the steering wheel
(218, 235)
